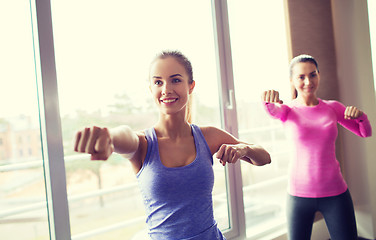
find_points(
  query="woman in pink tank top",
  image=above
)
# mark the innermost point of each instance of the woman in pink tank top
(315, 179)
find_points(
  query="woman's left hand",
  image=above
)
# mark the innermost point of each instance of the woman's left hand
(231, 153)
(352, 112)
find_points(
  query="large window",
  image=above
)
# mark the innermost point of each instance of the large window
(260, 60)
(372, 27)
(102, 50)
(23, 208)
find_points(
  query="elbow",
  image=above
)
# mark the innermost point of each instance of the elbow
(268, 159)
(366, 134)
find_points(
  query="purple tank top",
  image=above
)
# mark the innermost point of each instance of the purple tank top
(178, 201)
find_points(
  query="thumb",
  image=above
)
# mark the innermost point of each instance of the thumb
(219, 153)
(103, 146)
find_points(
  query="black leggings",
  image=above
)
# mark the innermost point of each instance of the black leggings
(338, 212)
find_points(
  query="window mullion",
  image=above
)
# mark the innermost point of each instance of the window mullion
(51, 133)
(228, 115)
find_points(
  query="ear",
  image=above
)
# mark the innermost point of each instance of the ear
(192, 86)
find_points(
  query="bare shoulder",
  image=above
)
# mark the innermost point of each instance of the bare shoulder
(142, 145)
(138, 157)
(215, 137)
(210, 131)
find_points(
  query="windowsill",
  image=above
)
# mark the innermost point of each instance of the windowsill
(268, 230)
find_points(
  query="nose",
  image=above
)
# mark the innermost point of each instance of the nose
(307, 80)
(167, 89)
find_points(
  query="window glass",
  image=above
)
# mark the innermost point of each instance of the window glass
(372, 28)
(260, 62)
(103, 52)
(23, 209)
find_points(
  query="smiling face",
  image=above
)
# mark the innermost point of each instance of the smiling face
(169, 85)
(305, 78)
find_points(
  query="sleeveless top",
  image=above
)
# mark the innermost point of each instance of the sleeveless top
(178, 201)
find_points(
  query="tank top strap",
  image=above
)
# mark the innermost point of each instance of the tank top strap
(152, 147)
(202, 146)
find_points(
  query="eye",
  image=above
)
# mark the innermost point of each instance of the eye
(301, 77)
(313, 75)
(158, 82)
(176, 80)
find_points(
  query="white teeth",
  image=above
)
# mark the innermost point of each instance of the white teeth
(169, 100)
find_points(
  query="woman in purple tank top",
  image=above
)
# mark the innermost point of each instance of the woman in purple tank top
(315, 179)
(166, 156)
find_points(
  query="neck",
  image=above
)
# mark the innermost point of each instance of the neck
(311, 100)
(172, 126)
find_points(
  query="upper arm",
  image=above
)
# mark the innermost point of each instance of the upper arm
(215, 137)
(360, 126)
(338, 108)
(138, 157)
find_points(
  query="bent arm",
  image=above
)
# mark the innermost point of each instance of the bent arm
(256, 155)
(229, 149)
(359, 125)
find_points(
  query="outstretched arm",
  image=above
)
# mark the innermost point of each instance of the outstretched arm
(100, 143)
(228, 149)
(273, 105)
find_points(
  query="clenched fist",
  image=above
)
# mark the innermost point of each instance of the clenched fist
(271, 96)
(229, 153)
(95, 141)
(352, 112)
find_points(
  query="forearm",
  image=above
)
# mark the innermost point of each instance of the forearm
(124, 139)
(360, 126)
(256, 155)
(365, 129)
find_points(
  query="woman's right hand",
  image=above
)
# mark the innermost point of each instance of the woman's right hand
(95, 141)
(271, 96)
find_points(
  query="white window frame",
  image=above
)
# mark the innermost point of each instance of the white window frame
(51, 134)
(228, 116)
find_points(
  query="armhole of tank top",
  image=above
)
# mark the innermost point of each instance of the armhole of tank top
(148, 136)
(199, 134)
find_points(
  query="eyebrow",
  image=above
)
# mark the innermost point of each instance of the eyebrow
(308, 73)
(174, 75)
